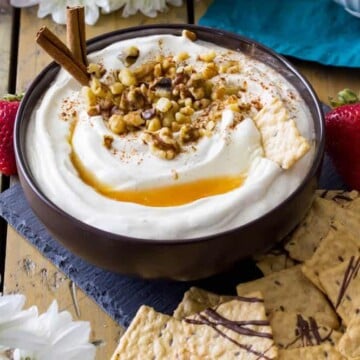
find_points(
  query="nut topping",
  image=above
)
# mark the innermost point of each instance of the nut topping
(131, 54)
(189, 34)
(148, 114)
(171, 101)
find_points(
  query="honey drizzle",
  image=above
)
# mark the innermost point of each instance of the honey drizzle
(171, 195)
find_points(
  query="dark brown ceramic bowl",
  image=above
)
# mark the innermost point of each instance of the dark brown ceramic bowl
(175, 259)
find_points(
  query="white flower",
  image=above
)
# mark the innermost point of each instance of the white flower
(15, 323)
(66, 339)
(57, 8)
(147, 7)
(50, 336)
(109, 6)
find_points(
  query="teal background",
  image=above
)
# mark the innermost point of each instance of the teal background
(316, 30)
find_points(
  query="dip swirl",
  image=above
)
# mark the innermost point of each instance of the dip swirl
(220, 181)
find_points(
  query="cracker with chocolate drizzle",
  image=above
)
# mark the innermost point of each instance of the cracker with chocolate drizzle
(290, 290)
(292, 330)
(237, 329)
(342, 286)
(346, 199)
(303, 242)
(337, 246)
(196, 300)
(249, 332)
(308, 235)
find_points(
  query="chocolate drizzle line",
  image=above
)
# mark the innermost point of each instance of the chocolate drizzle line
(323, 194)
(337, 196)
(212, 318)
(249, 299)
(307, 331)
(349, 275)
(280, 250)
(342, 197)
(238, 326)
(315, 330)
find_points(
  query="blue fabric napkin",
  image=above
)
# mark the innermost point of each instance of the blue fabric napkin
(316, 30)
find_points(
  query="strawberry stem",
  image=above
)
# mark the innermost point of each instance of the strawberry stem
(345, 96)
(13, 97)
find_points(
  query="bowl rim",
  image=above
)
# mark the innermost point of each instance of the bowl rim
(23, 167)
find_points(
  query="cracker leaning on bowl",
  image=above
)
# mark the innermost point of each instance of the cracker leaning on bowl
(301, 302)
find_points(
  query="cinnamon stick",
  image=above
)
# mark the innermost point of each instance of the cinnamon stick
(62, 55)
(75, 32)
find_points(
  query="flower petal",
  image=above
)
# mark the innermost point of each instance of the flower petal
(108, 6)
(52, 320)
(19, 319)
(52, 335)
(147, 7)
(23, 3)
(10, 304)
(18, 338)
(91, 14)
(74, 333)
(174, 2)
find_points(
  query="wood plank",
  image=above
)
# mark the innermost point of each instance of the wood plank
(328, 81)
(5, 36)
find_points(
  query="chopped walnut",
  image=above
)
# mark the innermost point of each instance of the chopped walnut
(162, 143)
(130, 55)
(96, 70)
(210, 56)
(107, 141)
(134, 119)
(210, 71)
(117, 124)
(188, 133)
(189, 34)
(127, 78)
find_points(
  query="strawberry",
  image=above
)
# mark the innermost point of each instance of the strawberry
(343, 137)
(8, 109)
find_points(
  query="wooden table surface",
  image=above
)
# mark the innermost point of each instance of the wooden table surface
(26, 270)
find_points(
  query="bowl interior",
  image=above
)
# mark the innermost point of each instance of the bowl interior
(221, 38)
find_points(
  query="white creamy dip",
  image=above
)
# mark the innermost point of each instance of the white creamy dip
(233, 150)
